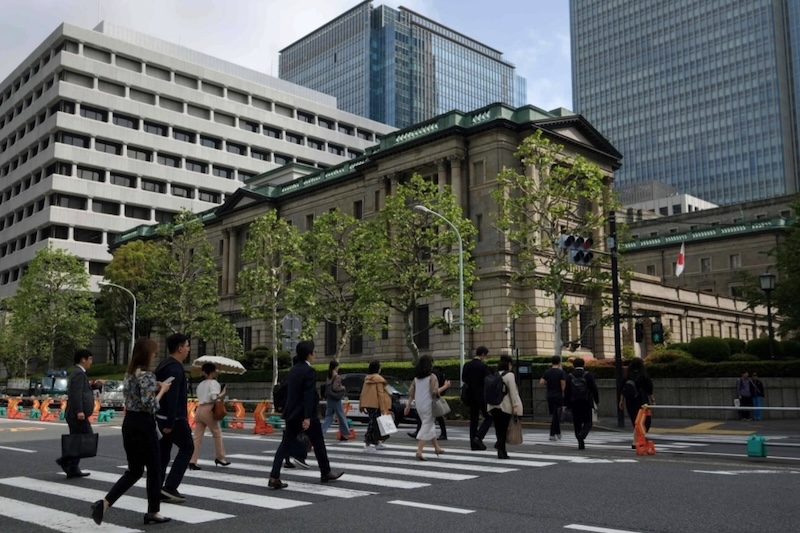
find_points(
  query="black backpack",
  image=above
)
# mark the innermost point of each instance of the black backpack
(630, 390)
(279, 395)
(580, 387)
(494, 389)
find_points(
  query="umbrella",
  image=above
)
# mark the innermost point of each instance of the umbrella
(225, 365)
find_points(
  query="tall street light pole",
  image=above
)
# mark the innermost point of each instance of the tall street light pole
(133, 323)
(460, 280)
(767, 281)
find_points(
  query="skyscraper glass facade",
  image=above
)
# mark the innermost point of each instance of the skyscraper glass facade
(409, 69)
(698, 94)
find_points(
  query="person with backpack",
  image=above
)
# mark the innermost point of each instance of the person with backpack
(472, 381)
(581, 395)
(636, 391)
(503, 401)
(555, 379)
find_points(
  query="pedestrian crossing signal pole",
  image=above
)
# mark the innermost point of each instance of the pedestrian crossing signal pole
(612, 226)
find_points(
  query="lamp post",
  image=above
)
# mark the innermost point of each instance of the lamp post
(460, 280)
(768, 285)
(133, 323)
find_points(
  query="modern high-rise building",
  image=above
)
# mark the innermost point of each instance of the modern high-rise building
(398, 67)
(702, 95)
(104, 130)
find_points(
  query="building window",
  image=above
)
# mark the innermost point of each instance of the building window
(183, 135)
(208, 196)
(272, 132)
(92, 174)
(737, 291)
(87, 235)
(338, 150)
(259, 154)
(366, 135)
(64, 106)
(735, 261)
(197, 166)
(107, 208)
(140, 154)
(107, 147)
(80, 141)
(249, 126)
(305, 117)
(223, 172)
(237, 149)
(68, 201)
(122, 180)
(211, 142)
(330, 338)
(651, 270)
(325, 123)
(358, 209)
(314, 143)
(135, 211)
(96, 268)
(421, 325)
(479, 228)
(155, 128)
(94, 114)
(385, 328)
(356, 343)
(294, 138)
(282, 159)
(705, 264)
(587, 327)
(309, 222)
(347, 130)
(677, 209)
(154, 186)
(182, 192)
(164, 217)
(663, 211)
(169, 160)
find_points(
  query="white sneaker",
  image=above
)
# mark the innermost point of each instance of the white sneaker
(552, 437)
(558, 436)
(381, 446)
(369, 448)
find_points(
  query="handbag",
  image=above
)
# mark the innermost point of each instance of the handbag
(386, 425)
(331, 394)
(218, 412)
(440, 407)
(514, 434)
(79, 445)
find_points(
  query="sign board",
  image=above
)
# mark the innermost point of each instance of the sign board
(448, 316)
(289, 344)
(292, 325)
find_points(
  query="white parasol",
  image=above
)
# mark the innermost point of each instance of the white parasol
(225, 365)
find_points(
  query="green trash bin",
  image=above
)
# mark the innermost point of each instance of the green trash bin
(756, 446)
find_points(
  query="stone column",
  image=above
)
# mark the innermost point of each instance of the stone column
(230, 275)
(441, 165)
(456, 180)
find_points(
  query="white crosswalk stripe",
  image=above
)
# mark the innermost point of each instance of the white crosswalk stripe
(217, 494)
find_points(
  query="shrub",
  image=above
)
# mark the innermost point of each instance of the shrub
(760, 348)
(678, 346)
(736, 345)
(790, 349)
(743, 357)
(710, 349)
(668, 356)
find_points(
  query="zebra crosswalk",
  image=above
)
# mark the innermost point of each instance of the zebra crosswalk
(216, 494)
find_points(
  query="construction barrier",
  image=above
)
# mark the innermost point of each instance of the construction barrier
(191, 408)
(349, 425)
(97, 408)
(644, 446)
(13, 410)
(238, 417)
(46, 415)
(262, 426)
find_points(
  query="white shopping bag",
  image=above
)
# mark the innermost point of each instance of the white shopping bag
(386, 425)
(737, 403)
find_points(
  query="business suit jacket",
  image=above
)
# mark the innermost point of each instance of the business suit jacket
(302, 400)
(80, 398)
(473, 375)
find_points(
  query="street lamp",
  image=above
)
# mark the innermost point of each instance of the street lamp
(460, 280)
(133, 323)
(768, 285)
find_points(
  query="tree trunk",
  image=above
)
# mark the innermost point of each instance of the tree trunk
(557, 324)
(343, 341)
(408, 331)
(276, 347)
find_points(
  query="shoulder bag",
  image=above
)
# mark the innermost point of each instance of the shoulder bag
(439, 405)
(218, 412)
(514, 434)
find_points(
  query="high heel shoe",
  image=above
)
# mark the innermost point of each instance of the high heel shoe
(439, 452)
(219, 462)
(153, 519)
(193, 466)
(420, 457)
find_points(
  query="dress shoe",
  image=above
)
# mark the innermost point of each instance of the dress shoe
(72, 475)
(412, 434)
(221, 462)
(63, 464)
(276, 483)
(420, 457)
(581, 444)
(442, 437)
(193, 466)
(153, 519)
(331, 476)
(502, 455)
(289, 464)
(172, 495)
(300, 463)
(477, 444)
(343, 438)
(98, 508)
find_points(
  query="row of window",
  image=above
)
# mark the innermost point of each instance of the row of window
(166, 75)
(735, 220)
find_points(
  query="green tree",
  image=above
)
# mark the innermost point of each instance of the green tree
(553, 193)
(784, 297)
(339, 283)
(135, 267)
(13, 354)
(271, 253)
(53, 311)
(185, 287)
(419, 255)
(222, 336)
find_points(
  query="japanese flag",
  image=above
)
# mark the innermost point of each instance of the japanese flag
(680, 264)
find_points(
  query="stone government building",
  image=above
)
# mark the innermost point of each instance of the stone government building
(464, 150)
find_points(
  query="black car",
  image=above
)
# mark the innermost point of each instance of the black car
(397, 389)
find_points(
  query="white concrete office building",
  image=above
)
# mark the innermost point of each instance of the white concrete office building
(102, 130)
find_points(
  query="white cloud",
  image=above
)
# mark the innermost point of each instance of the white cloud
(545, 63)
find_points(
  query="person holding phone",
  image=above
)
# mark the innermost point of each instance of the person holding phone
(208, 392)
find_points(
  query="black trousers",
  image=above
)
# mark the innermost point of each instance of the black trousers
(582, 418)
(180, 436)
(70, 464)
(554, 405)
(288, 442)
(474, 412)
(140, 439)
(501, 422)
(745, 401)
(633, 406)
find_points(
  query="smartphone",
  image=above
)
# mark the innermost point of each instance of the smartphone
(169, 380)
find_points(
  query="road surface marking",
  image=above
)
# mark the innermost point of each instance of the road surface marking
(467, 457)
(594, 529)
(432, 507)
(217, 476)
(58, 520)
(737, 472)
(129, 503)
(17, 449)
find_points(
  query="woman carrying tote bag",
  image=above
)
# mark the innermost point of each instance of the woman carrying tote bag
(207, 394)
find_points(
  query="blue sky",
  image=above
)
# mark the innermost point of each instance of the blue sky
(532, 34)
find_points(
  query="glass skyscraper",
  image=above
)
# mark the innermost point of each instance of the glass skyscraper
(398, 67)
(699, 94)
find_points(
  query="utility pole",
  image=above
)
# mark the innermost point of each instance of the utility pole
(612, 225)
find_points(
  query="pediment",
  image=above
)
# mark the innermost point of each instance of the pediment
(242, 198)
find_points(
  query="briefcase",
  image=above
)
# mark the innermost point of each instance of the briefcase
(79, 445)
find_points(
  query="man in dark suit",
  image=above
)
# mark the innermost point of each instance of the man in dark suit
(80, 406)
(473, 376)
(581, 395)
(302, 415)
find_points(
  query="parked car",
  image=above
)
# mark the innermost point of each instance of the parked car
(397, 389)
(111, 395)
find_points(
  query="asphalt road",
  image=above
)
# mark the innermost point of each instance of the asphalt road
(697, 481)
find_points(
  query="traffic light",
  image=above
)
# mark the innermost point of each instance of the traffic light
(657, 332)
(579, 248)
(639, 330)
